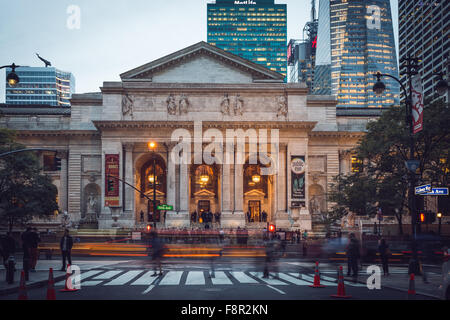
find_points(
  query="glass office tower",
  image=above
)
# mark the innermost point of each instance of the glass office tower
(356, 40)
(255, 30)
(40, 85)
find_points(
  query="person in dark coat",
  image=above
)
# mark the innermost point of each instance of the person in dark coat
(34, 243)
(8, 247)
(157, 252)
(26, 244)
(353, 256)
(66, 245)
(383, 249)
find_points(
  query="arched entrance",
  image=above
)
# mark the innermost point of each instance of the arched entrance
(204, 180)
(257, 194)
(153, 183)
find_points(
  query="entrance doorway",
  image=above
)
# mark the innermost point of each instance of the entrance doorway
(204, 206)
(254, 207)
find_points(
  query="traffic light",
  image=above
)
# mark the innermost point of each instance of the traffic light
(149, 227)
(272, 228)
(110, 185)
(57, 164)
(427, 217)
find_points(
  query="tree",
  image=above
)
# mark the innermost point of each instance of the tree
(382, 179)
(24, 192)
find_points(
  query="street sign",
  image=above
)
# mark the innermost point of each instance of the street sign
(165, 207)
(412, 165)
(423, 189)
(436, 192)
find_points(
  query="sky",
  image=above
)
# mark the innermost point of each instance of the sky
(114, 36)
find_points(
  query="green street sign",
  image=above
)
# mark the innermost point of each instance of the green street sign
(165, 207)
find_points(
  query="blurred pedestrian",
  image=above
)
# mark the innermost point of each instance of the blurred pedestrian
(26, 252)
(383, 250)
(353, 256)
(157, 253)
(305, 247)
(8, 247)
(34, 243)
(66, 245)
(142, 215)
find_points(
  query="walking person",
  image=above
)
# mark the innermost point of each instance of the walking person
(34, 243)
(353, 256)
(157, 253)
(383, 249)
(66, 245)
(8, 248)
(26, 252)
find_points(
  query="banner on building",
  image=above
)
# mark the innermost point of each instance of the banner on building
(417, 103)
(298, 167)
(112, 166)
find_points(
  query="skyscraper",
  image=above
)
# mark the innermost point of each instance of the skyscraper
(356, 40)
(424, 28)
(39, 85)
(302, 53)
(255, 30)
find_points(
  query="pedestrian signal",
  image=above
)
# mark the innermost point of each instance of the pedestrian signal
(110, 185)
(149, 228)
(57, 164)
(272, 228)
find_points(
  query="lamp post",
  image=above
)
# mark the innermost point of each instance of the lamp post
(442, 87)
(411, 65)
(152, 147)
(12, 78)
(439, 216)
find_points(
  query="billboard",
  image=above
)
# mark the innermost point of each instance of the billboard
(112, 169)
(417, 103)
(298, 168)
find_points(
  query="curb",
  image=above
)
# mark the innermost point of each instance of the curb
(32, 285)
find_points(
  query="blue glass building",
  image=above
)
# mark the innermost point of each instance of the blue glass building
(40, 85)
(255, 30)
(356, 40)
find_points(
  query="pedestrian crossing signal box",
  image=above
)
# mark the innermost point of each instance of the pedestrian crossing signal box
(272, 228)
(149, 228)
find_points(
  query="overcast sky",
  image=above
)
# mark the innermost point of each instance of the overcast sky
(114, 36)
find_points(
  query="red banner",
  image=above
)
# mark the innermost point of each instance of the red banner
(112, 169)
(417, 104)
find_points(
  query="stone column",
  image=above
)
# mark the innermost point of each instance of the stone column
(238, 218)
(63, 192)
(129, 178)
(226, 189)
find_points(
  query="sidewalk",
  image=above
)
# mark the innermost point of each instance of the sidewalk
(400, 281)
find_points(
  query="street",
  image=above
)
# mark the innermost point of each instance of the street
(235, 279)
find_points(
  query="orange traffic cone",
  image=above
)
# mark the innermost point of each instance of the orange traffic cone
(51, 294)
(412, 287)
(341, 286)
(317, 278)
(22, 289)
(68, 287)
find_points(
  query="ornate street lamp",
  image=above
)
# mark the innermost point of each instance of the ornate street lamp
(152, 146)
(256, 178)
(12, 78)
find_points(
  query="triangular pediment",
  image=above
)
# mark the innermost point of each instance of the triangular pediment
(204, 193)
(255, 193)
(202, 63)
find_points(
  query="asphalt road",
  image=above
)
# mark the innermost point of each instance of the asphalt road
(188, 280)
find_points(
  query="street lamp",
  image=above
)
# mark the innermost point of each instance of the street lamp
(152, 146)
(411, 65)
(439, 216)
(12, 78)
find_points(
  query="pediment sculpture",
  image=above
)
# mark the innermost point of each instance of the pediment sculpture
(225, 105)
(239, 106)
(171, 105)
(127, 105)
(184, 104)
(282, 106)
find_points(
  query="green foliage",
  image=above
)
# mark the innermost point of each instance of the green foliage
(382, 179)
(24, 191)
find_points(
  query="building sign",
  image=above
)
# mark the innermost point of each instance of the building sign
(417, 104)
(251, 2)
(298, 167)
(112, 166)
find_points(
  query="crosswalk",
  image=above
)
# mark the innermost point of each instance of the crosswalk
(143, 277)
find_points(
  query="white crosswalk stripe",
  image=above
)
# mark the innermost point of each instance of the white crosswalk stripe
(125, 278)
(221, 279)
(195, 278)
(172, 278)
(199, 278)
